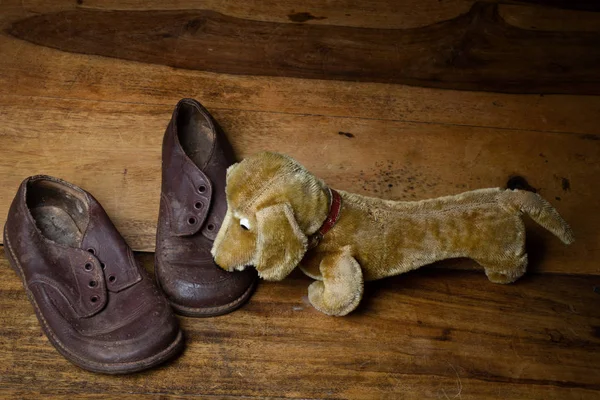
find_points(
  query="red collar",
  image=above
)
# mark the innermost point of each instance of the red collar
(335, 205)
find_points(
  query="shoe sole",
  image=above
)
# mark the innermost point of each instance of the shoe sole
(205, 312)
(105, 368)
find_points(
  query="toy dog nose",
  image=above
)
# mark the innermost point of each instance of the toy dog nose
(221, 265)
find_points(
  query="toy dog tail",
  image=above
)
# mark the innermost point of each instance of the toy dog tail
(540, 211)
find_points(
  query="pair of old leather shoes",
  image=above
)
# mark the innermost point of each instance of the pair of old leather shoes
(95, 303)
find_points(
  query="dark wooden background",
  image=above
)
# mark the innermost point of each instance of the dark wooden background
(398, 99)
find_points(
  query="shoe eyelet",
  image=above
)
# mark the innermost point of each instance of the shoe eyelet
(103, 265)
(191, 220)
(112, 278)
(92, 284)
(210, 227)
(88, 266)
(94, 299)
(92, 250)
(202, 188)
(198, 205)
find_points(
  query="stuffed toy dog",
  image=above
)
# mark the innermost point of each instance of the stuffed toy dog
(280, 216)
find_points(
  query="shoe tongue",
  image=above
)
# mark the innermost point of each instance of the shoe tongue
(216, 170)
(189, 191)
(104, 242)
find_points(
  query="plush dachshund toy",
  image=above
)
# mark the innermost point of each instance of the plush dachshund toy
(280, 216)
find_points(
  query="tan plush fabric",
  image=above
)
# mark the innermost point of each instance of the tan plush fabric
(284, 204)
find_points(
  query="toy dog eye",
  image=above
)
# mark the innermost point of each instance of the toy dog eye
(244, 223)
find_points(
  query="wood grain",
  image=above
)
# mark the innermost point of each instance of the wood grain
(362, 98)
(114, 152)
(429, 334)
(54, 74)
(474, 51)
(375, 14)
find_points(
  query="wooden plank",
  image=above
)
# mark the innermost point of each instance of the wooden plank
(474, 51)
(427, 334)
(30, 70)
(114, 152)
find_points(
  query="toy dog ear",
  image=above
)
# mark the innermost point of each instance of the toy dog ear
(280, 244)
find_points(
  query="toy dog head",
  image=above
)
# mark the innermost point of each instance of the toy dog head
(273, 205)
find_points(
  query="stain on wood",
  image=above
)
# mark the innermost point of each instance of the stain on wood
(518, 182)
(474, 51)
(303, 17)
(590, 136)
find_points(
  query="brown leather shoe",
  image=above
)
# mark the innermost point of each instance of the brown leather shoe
(195, 157)
(95, 304)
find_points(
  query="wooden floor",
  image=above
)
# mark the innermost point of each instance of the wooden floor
(398, 99)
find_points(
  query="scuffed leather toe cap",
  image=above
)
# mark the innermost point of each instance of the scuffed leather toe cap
(150, 337)
(152, 333)
(204, 290)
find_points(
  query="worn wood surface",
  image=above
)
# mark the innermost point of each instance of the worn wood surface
(433, 333)
(402, 100)
(413, 161)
